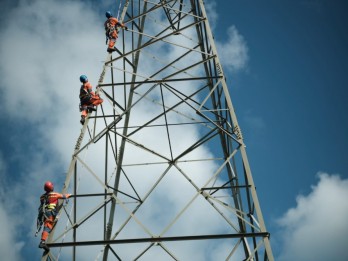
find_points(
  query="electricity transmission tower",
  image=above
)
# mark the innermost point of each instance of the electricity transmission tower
(160, 170)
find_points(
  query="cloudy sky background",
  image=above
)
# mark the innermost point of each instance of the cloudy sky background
(286, 65)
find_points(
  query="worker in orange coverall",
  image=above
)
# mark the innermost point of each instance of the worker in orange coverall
(111, 30)
(48, 211)
(88, 98)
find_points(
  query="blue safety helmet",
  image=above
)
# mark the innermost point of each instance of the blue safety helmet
(108, 14)
(83, 79)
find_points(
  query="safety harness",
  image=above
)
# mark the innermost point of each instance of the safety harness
(42, 213)
(109, 29)
(85, 96)
(44, 208)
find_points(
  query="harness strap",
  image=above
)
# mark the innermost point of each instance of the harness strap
(84, 93)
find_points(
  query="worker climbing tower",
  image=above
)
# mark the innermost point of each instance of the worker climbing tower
(160, 170)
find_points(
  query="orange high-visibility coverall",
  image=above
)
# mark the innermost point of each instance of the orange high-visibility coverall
(111, 30)
(88, 97)
(50, 212)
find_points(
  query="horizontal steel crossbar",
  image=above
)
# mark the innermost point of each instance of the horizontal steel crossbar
(157, 239)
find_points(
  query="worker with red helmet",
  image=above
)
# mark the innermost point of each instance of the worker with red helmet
(111, 30)
(88, 98)
(48, 211)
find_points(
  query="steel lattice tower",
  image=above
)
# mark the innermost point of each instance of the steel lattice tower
(160, 170)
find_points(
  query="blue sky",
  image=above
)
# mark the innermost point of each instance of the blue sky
(294, 88)
(289, 91)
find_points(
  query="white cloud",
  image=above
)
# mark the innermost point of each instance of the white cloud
(9, 247)
(317, 228)
(234, 52)
(41, 62)
(210, 7)
(255, 122)
(42, 55)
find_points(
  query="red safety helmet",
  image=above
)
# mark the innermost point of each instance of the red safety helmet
(48, 186)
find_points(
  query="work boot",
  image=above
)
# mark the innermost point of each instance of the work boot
(110, 50)
(82, 121)
(44, 246)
